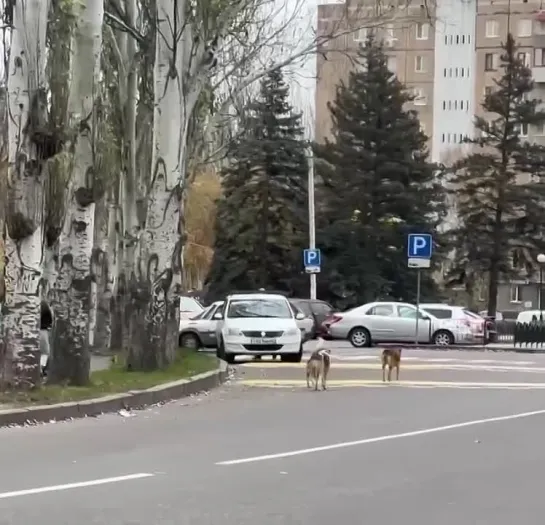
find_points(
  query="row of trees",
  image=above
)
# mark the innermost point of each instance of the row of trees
(111, 111)
(377, 184)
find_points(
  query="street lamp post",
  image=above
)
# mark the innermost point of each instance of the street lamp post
(541, 262)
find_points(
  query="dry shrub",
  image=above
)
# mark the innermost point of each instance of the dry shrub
(200, 216)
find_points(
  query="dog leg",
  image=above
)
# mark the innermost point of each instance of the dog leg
(308, 378)
(389, 373)
(383, 373)
(397, 372)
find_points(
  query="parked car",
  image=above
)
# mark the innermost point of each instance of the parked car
(200, 330)
(189, 307)
(394, 322)
(528, 316)
(258, 324)
(316, 310)
(461, 315)
(304, 322)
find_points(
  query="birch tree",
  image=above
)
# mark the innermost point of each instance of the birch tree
(29, 145)
(71, 359)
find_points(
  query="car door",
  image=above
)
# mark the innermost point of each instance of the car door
(207, 327)
(321, 311)
(380, 321)
(406, 324)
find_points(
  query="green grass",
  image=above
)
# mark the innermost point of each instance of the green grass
(114, 380)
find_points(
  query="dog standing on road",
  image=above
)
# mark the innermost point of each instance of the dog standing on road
(318, 365)
(391, 358)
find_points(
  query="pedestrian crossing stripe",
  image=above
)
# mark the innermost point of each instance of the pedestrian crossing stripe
(356, 383)
(405, 366)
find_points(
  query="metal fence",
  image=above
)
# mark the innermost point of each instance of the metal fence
(529, 334)
(505, 331)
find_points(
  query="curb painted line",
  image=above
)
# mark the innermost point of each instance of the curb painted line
(346, 383)
(135, 399)
(468, 348)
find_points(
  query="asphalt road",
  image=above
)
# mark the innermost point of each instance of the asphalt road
(277, 453)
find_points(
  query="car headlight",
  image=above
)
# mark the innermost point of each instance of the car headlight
(292, 331)
(233, 331)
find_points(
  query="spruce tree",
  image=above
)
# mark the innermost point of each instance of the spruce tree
(499, 187)
(378, 186)
(262, 219)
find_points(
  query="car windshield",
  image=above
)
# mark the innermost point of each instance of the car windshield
(259, 308)
(203, 314)
(188, 304)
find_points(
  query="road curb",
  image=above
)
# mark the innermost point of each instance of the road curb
(467, 348)
(114, 403)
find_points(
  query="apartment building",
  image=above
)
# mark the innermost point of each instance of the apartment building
(449, 58)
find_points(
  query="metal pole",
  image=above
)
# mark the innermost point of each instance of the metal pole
(311, 218)
(417, 305)
(541, 292)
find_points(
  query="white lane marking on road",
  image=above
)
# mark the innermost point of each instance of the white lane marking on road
(388, 437)
(68, 486)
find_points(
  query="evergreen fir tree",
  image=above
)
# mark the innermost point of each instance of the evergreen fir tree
(379, 186)
(499, 187)
(262, 219)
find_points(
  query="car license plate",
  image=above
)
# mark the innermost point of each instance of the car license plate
(263, 341)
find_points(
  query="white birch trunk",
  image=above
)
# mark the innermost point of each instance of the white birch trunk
(131, 231)
(103, 267)
(157, 281)
(71, 361)
(24, 239)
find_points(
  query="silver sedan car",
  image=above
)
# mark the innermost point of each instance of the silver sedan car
(394, 322)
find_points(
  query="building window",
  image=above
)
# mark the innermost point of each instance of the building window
(522, 129)
(446, 40)
(539, 129)
(420, 98)
(419, 64)
(360, 35)
(524, 58)
(492, 29)
(539, 57)
(392, 64)
(489, 62)
(443, 137)
(422, 31)
(515, 295)
(487, 91)
(389, 35)
(463, 39)
(524, 28)
(444, 104)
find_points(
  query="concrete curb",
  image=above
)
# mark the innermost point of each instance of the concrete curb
(480, 348)
(114, 403)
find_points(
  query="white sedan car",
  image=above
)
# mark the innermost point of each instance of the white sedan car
(391, 322)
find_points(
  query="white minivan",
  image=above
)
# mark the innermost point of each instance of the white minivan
(258, 324)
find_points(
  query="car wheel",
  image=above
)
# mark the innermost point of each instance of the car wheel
(359, 337)
(190, 341)
(443, 338)
(220, 351)
(229, 358)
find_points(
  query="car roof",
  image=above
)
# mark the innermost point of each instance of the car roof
(445, 306)
(244, 296)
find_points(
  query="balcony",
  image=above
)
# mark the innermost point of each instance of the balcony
(538, 73)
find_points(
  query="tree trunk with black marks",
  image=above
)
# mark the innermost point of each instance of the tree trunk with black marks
(29, 146)
(71, 358)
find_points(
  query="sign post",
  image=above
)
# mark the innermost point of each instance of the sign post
(419, 251)
(312, 260)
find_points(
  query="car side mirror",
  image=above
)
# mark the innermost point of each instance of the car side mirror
(424, 317)
(217, 316)
(300, 316)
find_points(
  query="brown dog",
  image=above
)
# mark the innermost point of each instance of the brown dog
(318, 365)
(391, 358)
